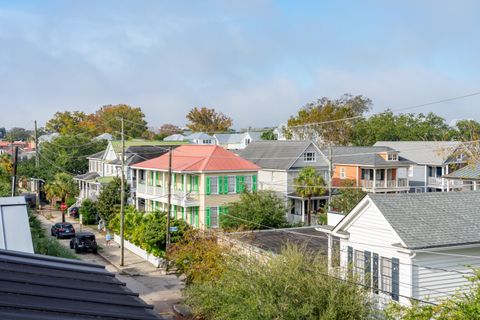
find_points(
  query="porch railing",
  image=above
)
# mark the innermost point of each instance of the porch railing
(399, 183)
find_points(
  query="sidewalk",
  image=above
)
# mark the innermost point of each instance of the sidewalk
(154, 286)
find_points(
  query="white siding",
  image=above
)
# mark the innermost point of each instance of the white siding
(273, 180)
(320, 160)
(430, 283)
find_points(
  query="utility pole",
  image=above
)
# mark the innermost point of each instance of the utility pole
(122, 201)
(330, 173)
(169, 199)
(14, 177)
(37, 164)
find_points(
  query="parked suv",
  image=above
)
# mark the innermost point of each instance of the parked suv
(84, 242)
(61, 230)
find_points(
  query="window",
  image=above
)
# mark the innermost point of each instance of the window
(207, 141)
(231, 184)
(213, 185)
(460, 157)
(309, 157)
(248, 183)
(247, 141)
(392, 157)
(213, 217)
(343, 174)
(359, 264)
(386, 274)
(410, 171)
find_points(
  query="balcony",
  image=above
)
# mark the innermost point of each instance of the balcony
(400, 183)
(438, 182)
(179, 197)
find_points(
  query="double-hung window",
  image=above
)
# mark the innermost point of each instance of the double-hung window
(309, 157)
(392, 157)
(359, 264)
(231, 184)
(386, 274)
(248, 183)
(214, 185)
(213, 217)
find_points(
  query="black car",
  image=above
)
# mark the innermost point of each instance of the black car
(84, 242)
(61, 230)
(74, 212)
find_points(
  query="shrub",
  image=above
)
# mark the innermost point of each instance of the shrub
(88, 210)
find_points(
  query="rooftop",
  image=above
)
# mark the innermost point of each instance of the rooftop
(197, 158)
(39, 287)
(368, 156)
(470, 171)
(117, 144)
(423, 152)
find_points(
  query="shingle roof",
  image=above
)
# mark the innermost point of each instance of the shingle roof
(433, 219)
(136, 154)
(274, 240)
(470, 171)
(98, 155)
(87, 176)
(423, 152)
(33, 286)
(200, 158)
(367, 156)
(278, 155)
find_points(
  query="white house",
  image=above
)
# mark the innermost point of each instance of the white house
(433, 159)
(200, 138)
(175, 137)
(14, 225)
(237, 141)
(280, 163)
(410, 245)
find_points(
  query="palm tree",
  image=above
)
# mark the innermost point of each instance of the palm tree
(61, 187)
(309, 184)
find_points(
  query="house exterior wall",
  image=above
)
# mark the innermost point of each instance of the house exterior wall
(320, 160)
(441, 282)
(274, 180)
(351, 173)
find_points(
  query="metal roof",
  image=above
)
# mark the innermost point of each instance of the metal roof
(423, 152)
(39, 287)
(175, 137)
(432, 219)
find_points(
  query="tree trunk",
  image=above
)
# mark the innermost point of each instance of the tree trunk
(63, 211)
(309, 209)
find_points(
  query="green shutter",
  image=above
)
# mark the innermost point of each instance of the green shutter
(220, 185)
(254, 182)
(190, 188)
(196, 183)
(237, 184)
(207, 185)
(225, 185)
(207, 217)
(196, 216)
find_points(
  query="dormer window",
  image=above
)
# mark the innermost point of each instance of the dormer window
(309, 157)
(460, 157)
(392, 157)
(247, 141)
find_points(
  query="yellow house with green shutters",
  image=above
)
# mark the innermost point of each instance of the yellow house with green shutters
(205, 179)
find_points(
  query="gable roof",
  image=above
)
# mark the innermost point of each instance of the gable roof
(136, 154)
(175, 137)
(432, 219)
(98, 155)
(233, 138)
(470, 171)
(200, 158)
(199, 136)
(274, 154)
(117, 144)
(367, 156)
(34, 286)
(423, 152)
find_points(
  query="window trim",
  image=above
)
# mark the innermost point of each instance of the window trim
(309, 156)
(343, 173)
(386, 286)
(394, 156)
(357, 269)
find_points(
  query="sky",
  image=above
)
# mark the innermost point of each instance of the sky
(258, 61)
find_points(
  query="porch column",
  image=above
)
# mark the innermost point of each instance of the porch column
(374, 179)
(329, 252)
(184, 185)
(303, 210)
(448, 184)
(385, 176)
(474, 185)
(163, 183)
(154, 183)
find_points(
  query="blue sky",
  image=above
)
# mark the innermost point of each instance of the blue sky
(257, 61)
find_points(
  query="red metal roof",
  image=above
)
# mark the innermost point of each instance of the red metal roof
(200, 158)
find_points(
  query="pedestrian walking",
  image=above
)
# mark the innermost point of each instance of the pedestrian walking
(108, 238)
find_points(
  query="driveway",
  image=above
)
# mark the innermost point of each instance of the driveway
(153, 285)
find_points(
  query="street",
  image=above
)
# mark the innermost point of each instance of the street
(153, 285)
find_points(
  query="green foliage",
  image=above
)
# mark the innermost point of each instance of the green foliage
(309, 184)
(5, 176)
(325, 109)
(254, 210)
(88, 210)
(208, 120)
(108, 203)
(148, 230)
(18, 134)
(387, 126)
(347, 197)
(71, 123)
(466, 130)
(269, 135)
(61, 188)
(108, 120)
(294, 285)
(42, 244)
(462, 306)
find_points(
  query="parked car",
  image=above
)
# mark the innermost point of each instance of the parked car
(61, 230)
(84, 242)
(74, 212)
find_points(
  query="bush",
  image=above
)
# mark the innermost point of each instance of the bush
(71, 201)
(148, 230)
(293, 285)
(88, 210)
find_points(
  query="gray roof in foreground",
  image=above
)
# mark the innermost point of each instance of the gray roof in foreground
(367, 156)
(433, 219)
(279, 155)
(423, 152)
(34, 286)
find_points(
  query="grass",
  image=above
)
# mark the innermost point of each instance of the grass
(42, 244)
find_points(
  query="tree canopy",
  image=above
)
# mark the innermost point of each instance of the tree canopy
(326, 111)
(108, 203)
(269, 135)
(208, 120)
(68, 123)
(18, 134)
(309, 184)
(166, 130)
(255, 210)
(348, 196)
(108, 119)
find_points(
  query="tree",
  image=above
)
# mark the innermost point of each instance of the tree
(18, 134)
(3, 132)
(255, 210)
(108, 119)
(208, 120)
(88, 210)
(326, 111)
(269, 135)
(69, 123)
(62, 187)
(459, 307)
(309, 184)
(466, 130)
(108, 202)
(168, 129)
(292, 285)
(347, 198)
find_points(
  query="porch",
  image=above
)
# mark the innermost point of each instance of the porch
(298, 208)
(384, 180)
